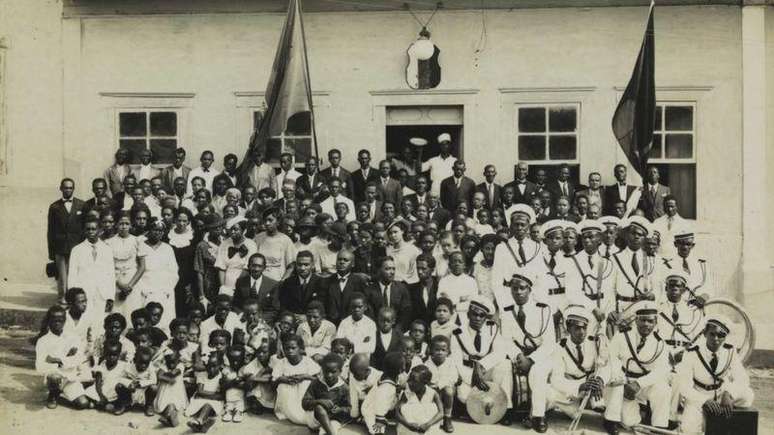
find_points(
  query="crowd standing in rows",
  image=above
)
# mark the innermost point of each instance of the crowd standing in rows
(380, 296)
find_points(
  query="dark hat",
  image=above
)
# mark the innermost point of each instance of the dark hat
(338, 229)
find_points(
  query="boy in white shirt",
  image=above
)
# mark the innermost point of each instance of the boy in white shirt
(357, 327)
(457, 285)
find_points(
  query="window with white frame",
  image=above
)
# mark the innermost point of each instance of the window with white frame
(156, 130)
(547, 133)
(296, 139)
(674, 152)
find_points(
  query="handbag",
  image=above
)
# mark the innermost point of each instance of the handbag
(51, 271)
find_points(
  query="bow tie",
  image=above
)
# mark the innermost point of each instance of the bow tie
(242, 250)
(206, 169)
(343, 278)
(521, 182)
(67, 200)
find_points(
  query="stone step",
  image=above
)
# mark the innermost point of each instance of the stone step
(23, 305)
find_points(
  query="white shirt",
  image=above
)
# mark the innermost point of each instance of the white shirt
(292, 174)
(386, 339)
(146, 172)
(208, 175)
(621, 191)
(329, 206)
(459, 289)
(361, 333)
(68, 203)
(440, 169)
(96, 276)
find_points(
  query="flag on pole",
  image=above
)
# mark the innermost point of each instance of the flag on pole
(635, 116)
(288, 92)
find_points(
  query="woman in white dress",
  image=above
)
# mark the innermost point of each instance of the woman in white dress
(158, 282)
(404, 253)
(129, 258)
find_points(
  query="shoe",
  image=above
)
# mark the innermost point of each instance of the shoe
(173, 420)
(149, 411)
(527, 422)
(227, 417)
(195, 425)
(611, 427)
(539, 424)
(673, 425)
(237, 417)
(164, 421)
(207, 424)
(51, 402)
(119, 410)
(109, 407)
(447, 425)
(258, 409)
(507, 419)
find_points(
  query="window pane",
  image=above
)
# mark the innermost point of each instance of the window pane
(655, 152)
(132, 124)
(659, 112)
(163, 150)
(163, 124)
(299, 124)
(532, 120)
(134, 146)
(562, 147)
(679, 118)
(679, 146)
(562, 119)
(301, 148)
(532, 148)
(273, 150)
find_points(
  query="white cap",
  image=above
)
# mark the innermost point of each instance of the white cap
(638, 221)
(590, 225)
(570, 225)
(610, 220)
(646, 308)
(551, 226)
(676, 273)
(525, 210)
(720, 321)
(577, 313)
(481, 303)
(444, 137)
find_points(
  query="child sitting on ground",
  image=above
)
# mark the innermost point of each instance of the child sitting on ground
(256, 374)
(316, 332)
(445, 376)
(381, 399)
(107, 375)
(207, 403)
(362, 378)
(141, 319)
(234, 385)
(357, 327)
(418, 332)
(114, 324)
(171, 398)
(291, 376)
(327, 397)
(283, 327)
(343, 348)
(138, 385)
(444, 318)
(419, 407)
(179, 344)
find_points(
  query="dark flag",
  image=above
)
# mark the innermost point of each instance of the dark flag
(289, 92)
(635, 116)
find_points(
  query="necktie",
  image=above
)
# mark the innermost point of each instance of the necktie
(522, 254)
(714, 362)
(675, 314)
(477, 341)
(669, 223)
(580, 354)
(564, 189)
(635, 264)
(642, 344)
(457, 182)
(591, 263)
(552, 261)
(253, 290)
(94, 252)
(386, 295)
(336, 172)
(685, 266)
(521, 317)
(491, 195)
(607, 252)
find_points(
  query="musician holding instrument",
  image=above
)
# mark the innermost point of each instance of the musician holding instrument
(697, 270)
(528, 328)
(553, 270)
(712, 378)
(481, 353)
(640, 355)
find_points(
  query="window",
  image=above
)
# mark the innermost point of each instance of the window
(673, 152)
(154, 130)
(296, 139)
(548, 133)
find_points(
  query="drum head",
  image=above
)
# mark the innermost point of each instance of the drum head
(742, 335)
(487, 407)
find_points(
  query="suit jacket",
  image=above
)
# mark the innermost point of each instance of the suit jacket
(338, 299)
(295, 298)
(498, 190)
(556, 190)
(229, 183)
(359, 183)
(114, 179)
(266, 295)
(612, 196)
(399, 300)
(346, 180)
(421, 310)
(653, 205)
(392, 192)
(154, 172)
(65, 230)
(451, 195)
(168, 177)
(377, 358)
(441, 216)
(303, 182)
(529, 192)
(414, 198)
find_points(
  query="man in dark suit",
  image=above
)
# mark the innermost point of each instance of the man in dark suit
(178, 169)
(303, 286)
(311, 182)
(437, 213)
(363, 176)
(523, 189)
(562, 186)
(229, 174)
(424, 293)
(420, 195)
(620, 191)
(99, 189)
(457, 188)
(385, 330)
(145, 170)
(335, 170)
(341, 285)
(490, 189)
(389, 189)
(259, 287)
(65, 230)
(563, 211)
(540, 180)
(595, 193)
(653, 194)
(116, 173)
(384, 291)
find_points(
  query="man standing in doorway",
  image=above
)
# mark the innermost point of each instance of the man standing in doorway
(440, 166)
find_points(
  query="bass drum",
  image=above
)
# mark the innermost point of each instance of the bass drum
(742, 335)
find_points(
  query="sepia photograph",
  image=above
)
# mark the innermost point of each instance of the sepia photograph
(401, 217)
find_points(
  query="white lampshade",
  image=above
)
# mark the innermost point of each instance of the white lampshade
(423, 48)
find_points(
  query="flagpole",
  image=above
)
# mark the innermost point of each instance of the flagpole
(309, 84)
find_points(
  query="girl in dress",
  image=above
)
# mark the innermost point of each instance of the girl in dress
(129, 258)
(207, 403)
(419, 409)
(171, 397)
(204, 261)
(292, 375)
(256, 374)
(160, 277)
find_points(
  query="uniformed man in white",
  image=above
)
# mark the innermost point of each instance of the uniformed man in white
(712, 378)
(529, 330)
(700, 278)
(481, 352)
(440, 166)
(609, 236)
(592, 273)
(680, 324)
(518, 254)
(640, 355)
(579, 365)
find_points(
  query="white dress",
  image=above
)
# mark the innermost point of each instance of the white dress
(172, 394)
(158, 282)
(211, 386)
(126, 250)
(288, 404)
(419, 411)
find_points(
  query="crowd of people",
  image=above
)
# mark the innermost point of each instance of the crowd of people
(383, 296)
